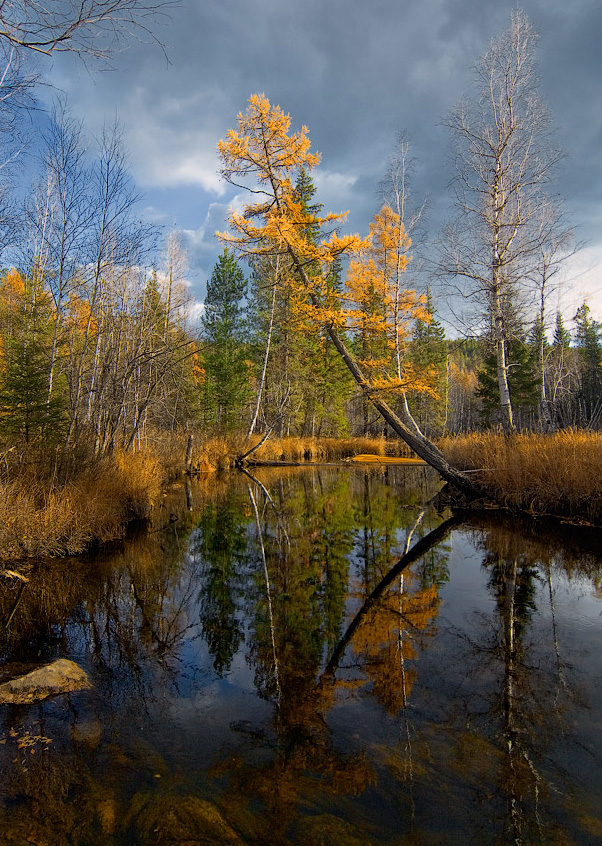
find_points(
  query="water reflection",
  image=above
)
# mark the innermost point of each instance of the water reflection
(315, 657)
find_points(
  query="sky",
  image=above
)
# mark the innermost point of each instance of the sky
(357, 74)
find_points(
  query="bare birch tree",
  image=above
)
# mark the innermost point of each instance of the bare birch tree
(395, 190)
(60, 216)
(554, 242)
(116, 240)
(504, 160)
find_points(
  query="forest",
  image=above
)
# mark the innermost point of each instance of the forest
(316, 560)
(306, 332)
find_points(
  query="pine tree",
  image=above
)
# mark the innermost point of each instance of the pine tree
(589, 345)
(428, 353)
(225, 359)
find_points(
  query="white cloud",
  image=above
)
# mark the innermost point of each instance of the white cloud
(581, 282)
(202, 240)
(167, 151)
(334, 189)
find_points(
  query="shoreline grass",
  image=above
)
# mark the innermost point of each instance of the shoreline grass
(220, 453)
(558, 474)
(42, 515)
(47, 513)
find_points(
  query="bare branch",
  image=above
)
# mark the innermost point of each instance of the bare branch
(93, 28)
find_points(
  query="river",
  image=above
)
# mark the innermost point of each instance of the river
(313, 656)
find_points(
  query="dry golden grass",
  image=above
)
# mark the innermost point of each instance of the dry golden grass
(326, 449)
(386, 459)
(217, 453)
(45, 517)
(220, 453)
(545, 474)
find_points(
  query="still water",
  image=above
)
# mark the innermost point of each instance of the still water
(316, 657)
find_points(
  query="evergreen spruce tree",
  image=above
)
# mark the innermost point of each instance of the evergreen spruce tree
(564, 376)
(324, 385)
(26, 411)
(303, 365)
(428, 353)
(522, 382)
(227, 388)
(589, 345)
(562, 336)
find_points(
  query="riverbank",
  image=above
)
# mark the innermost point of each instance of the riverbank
(55, 504)
(558, 475)
(53, 510)
(57, 508)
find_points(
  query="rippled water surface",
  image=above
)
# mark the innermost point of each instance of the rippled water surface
(316, 657)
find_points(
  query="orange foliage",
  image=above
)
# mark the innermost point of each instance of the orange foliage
(263, 156)
(385, 640)
(12, 285)
(264, 151)
(78, 314)
(381, 311)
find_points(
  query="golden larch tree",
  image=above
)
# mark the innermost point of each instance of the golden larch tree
(263, 156)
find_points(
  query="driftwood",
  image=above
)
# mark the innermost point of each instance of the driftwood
(257, 462)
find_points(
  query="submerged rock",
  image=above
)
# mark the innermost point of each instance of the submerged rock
(62, 676)
(88, 732)
(327, 830)
(181, 821)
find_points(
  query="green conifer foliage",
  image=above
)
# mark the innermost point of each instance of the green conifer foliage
(522, 381)
(227, 387)
(589, 345)
(26, 411)
(562, 337)
(428, 353)
(304, 368)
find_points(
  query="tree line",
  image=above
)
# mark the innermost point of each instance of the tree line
(263, 369)
(318, 334)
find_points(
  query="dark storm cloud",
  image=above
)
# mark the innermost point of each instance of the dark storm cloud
(356, 74)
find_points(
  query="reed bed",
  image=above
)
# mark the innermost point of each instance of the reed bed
(41, 516)
(220, 453)
(559, 474)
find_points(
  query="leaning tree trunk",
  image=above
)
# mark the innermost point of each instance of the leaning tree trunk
(412, 436)
(409, 433)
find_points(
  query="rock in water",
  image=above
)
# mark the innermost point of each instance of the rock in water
(180, 821)
(61, 676)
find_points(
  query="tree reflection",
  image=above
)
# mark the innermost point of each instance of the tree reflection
(291, 634)
(520, 697)
(220, 542)
(321, 592)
